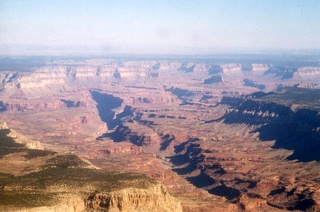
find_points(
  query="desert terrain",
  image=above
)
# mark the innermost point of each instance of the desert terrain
(189, 134)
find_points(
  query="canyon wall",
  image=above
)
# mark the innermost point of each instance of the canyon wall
(209, 131)
(131, 199)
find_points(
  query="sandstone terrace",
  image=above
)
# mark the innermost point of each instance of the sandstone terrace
(200, 142)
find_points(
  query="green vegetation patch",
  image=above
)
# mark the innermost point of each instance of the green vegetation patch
(81, 177)
(66, 171)
(304, 97)
(66, 161)
(27, 198)
(34, 153)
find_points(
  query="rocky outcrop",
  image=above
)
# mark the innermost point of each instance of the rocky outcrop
(294, 130)
(31, 144)
(257, 112)
(307, 77)
(155, 198)
(21, 139)
(3, 125)
(35, 105)
(164, 98)
(34, 181)
(231, 68)
(123, 148)
(259, 67)
(307, 72)
(71, 203)
(231, 175)
(166, 132)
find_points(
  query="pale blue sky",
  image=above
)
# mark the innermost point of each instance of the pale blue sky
(161, 26)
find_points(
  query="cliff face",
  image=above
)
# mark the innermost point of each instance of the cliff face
(42, 180)
(310, 72)
(256, 112)
(132, 199)
(92, 72)
(295, 130)
(155, 198)
(21, 139)
(18, 105)
(151, 132)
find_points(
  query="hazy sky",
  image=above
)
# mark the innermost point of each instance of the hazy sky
(160, 26)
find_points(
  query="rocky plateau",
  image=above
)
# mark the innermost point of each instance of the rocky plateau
(194, 134)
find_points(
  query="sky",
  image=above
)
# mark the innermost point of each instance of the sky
(157, 26)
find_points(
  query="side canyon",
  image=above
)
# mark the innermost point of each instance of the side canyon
(173, 134)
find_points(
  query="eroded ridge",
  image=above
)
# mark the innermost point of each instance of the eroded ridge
(220, 136)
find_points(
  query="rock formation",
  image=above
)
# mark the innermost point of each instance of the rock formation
(132, 199)
(39, 180)
(220, 136)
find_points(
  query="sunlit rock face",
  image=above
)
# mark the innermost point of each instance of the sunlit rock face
(307, 77)
(221, 136)
(51, 181)
(155, 198)
(259, 67)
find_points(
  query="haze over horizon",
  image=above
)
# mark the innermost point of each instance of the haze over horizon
(157, 27)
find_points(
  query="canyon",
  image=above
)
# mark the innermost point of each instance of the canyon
(184, 134)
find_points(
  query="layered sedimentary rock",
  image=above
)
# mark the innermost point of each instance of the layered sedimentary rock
(154, 198)
(209, 131)
(39, 180)
(259, 67)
